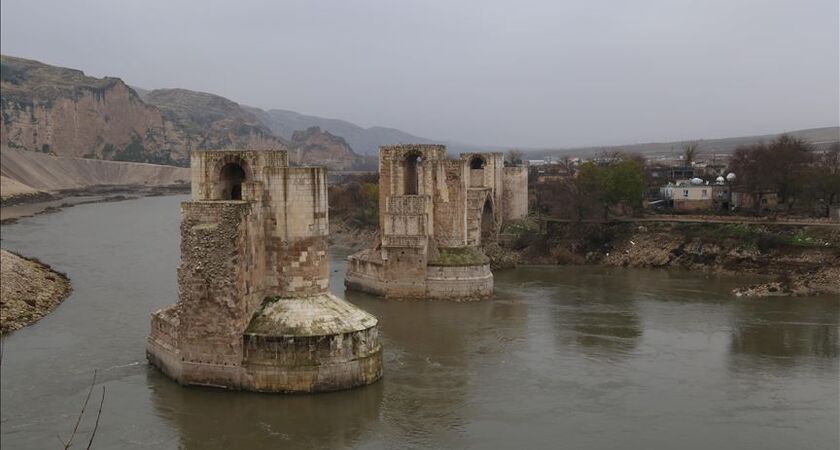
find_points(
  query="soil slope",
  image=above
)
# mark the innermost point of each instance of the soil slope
(27, 173)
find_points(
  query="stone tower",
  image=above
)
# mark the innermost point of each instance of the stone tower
(254, 310)
(434, 215)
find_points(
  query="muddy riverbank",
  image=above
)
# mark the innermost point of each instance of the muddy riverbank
(29, 290)
(805, 260)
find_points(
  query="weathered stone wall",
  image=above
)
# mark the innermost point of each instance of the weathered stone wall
(296, 230)
(206, 166)
(459, 282)
(218, 277)
(514, 193)
(313, 363)
(450, 211)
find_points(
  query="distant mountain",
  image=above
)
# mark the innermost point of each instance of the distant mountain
(363, 140)
(819, 137)
(314, 146)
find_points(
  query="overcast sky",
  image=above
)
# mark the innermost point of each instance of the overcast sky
(515, 73)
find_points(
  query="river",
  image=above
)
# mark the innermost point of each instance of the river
(571, 357)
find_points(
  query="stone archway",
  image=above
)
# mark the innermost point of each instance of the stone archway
(477, 171)
(231, 177)
(488, 223)
(411, 177)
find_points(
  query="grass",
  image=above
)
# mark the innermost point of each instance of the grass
(461, 256)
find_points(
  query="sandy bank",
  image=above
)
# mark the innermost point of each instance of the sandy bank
(29, 290)
(30, 176)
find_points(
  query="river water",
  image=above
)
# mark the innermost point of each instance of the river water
(571, 357)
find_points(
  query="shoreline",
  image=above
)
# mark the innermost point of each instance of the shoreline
(18, 207)
(30, 290)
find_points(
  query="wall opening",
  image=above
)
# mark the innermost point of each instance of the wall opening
(477, 171)
(231, 178)
(412, 165)
(488, 223)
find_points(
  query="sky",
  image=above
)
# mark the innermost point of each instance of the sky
(525, 73)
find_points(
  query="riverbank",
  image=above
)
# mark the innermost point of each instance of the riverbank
(16, 207)
(803, 259)
(29, 290)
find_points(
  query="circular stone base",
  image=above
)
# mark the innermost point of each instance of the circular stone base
(311, 344)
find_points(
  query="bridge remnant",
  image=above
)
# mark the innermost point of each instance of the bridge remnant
(435, 214)
(254, 309)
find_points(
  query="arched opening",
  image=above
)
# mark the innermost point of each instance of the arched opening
(231, 178)
(488, 223)
(477, 171)
(412, 164)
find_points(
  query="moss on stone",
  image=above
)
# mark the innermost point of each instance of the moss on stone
(460, 256)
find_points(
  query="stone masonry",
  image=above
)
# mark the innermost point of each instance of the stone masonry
(254, 310)
(435, 214)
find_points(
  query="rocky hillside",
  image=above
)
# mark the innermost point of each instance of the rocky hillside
(314, 146)
(207, 121)
(63, 112)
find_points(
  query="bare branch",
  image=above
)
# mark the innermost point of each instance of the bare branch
(81, 413)
(98, 415)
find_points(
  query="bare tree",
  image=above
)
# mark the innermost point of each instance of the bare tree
(514, 157)
(690, 150)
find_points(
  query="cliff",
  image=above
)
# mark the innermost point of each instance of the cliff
(314, 146)
(63, 112)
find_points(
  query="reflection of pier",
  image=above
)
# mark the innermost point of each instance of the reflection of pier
(434, 352)
(209, 419)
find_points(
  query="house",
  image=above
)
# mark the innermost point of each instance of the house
(688, 196)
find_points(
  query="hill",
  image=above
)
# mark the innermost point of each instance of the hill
(363, 140)
(819, 137)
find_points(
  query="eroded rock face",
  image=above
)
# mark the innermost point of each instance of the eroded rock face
(314, 146)
(63, 112)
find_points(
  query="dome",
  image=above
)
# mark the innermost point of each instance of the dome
(730, 176)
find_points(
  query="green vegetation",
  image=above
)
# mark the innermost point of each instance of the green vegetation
(763, 237)
(356, 200)
(461, 256)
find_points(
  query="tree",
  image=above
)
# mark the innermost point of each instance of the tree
(621, 183)
(823, 180)
(513, 157)
(690, 152)
(782, 166)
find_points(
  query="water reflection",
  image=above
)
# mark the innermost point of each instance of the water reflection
(434, 348)
(210, 419)
(784, 331)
